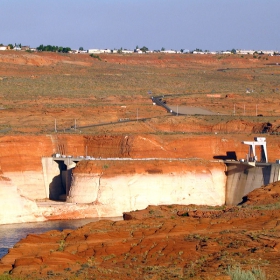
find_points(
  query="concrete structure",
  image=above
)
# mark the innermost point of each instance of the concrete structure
(245, 51)
(126, 51)
(98, 51)
(251, 156)
(242, 178)
(168, 51)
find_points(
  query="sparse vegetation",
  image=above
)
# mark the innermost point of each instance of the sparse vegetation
(95, 56)
(236, 273)
(109, 257)
(6, 277)
(83, 89)
(61, 245)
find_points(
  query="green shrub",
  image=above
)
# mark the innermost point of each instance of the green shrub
(95, 56)
(237, 273)
(61, 245)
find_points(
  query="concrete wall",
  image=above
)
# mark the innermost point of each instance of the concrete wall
(242, 179)
(52, 178)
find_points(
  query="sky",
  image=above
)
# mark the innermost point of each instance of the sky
(215, 25)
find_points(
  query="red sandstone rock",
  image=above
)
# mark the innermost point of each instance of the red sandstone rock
(265, 195)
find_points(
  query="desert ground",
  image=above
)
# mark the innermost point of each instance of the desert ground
(41, 90)
(109, 96)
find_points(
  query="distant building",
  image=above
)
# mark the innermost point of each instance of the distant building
(105, 51)
(98, 51)
(127, 51)
(266, 52)
(3, 48)
(168, 51)
(197, 52)
(93, 51)
(245, 52)
(25, 48)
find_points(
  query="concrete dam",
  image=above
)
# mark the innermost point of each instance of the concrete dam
(243, 178)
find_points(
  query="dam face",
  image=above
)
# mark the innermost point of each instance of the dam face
(243, 178)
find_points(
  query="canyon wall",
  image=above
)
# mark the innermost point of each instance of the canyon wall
(122, 185)
(14, 207)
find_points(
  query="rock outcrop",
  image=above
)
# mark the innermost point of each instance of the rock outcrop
(125, 185)
(16, 208)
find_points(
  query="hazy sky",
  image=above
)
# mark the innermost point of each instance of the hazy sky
(172, 24)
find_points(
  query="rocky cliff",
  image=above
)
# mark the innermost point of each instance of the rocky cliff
(137, 184)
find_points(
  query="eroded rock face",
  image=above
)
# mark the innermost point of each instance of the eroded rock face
(14, 207)
(119, 186)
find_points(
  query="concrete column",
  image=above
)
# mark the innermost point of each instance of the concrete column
(69, 163)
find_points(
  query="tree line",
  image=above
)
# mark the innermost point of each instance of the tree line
(50, 48)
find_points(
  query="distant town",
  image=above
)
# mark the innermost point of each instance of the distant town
(19, 47)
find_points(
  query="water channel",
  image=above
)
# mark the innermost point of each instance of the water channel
(12, 233)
